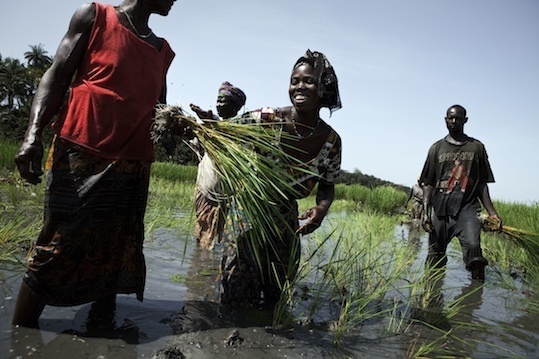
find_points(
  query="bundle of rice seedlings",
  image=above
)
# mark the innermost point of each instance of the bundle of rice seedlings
(255, 172)
(527, 240)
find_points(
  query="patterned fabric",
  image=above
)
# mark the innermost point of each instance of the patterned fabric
(324, 167)
(209, 220)
(91, 242)
(209, 200)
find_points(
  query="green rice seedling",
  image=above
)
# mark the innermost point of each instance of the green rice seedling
(15, 193)
(527, 241)
(513, 253)
(20, 215)
(448, 324)
(360, 272)
(170, 205)
(456, 342)
(349, 272)
(420, 290)
(21, 205)
(18, 229)
(172, 194)
(523, 216)
(354, 192)
(174, 172)
(385, 199)
(421, 348)
(255, 172)
(443, 321)
(8, 150)
(506, 260)
(517, 251)
(344, 199)
(521, 225)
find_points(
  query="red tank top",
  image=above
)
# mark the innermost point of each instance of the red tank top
(111, 102)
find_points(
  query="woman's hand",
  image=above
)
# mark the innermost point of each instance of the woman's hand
(203, 115)
(312, 219)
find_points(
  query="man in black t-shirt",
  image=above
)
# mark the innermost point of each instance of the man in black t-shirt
(455, 177)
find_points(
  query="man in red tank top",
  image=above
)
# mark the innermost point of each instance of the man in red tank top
(90, 247)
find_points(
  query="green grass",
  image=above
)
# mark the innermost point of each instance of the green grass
(355, 193)
(8, 150)
(173, 172)
(524, 216)
(20, 215)
(170, 205)
(385, 200)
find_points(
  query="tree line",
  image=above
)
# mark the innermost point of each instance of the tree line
(18, 84)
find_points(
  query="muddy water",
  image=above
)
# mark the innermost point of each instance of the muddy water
(180, 317)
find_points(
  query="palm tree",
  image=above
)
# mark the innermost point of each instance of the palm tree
(13, 82)
(37, 57)
(2, 74)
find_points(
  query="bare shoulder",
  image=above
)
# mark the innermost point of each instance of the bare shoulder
(73, 43)
(83, 18)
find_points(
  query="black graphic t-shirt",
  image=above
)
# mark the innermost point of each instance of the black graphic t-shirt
(456, 172)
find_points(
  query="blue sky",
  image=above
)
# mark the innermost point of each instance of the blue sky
(400, 65)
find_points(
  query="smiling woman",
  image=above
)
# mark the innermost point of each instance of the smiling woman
(315, 149)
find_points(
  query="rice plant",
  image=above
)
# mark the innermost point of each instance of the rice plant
(20, 217)
(524, 216)
(18, 229)
(385, 199)
(355, 193)
(170, 205)
(347, 273)
(516, 248)
(528, 241)
(174, 172)
(256, 173)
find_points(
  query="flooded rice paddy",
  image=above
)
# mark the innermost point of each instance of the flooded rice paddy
(180, 317)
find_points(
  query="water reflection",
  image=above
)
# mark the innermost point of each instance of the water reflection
(119, 342)
(448, 313)
(181, 313)
(131, 330)
(479, 320)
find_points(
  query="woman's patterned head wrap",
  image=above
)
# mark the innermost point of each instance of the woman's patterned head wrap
(327, 84)
(233, 92)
